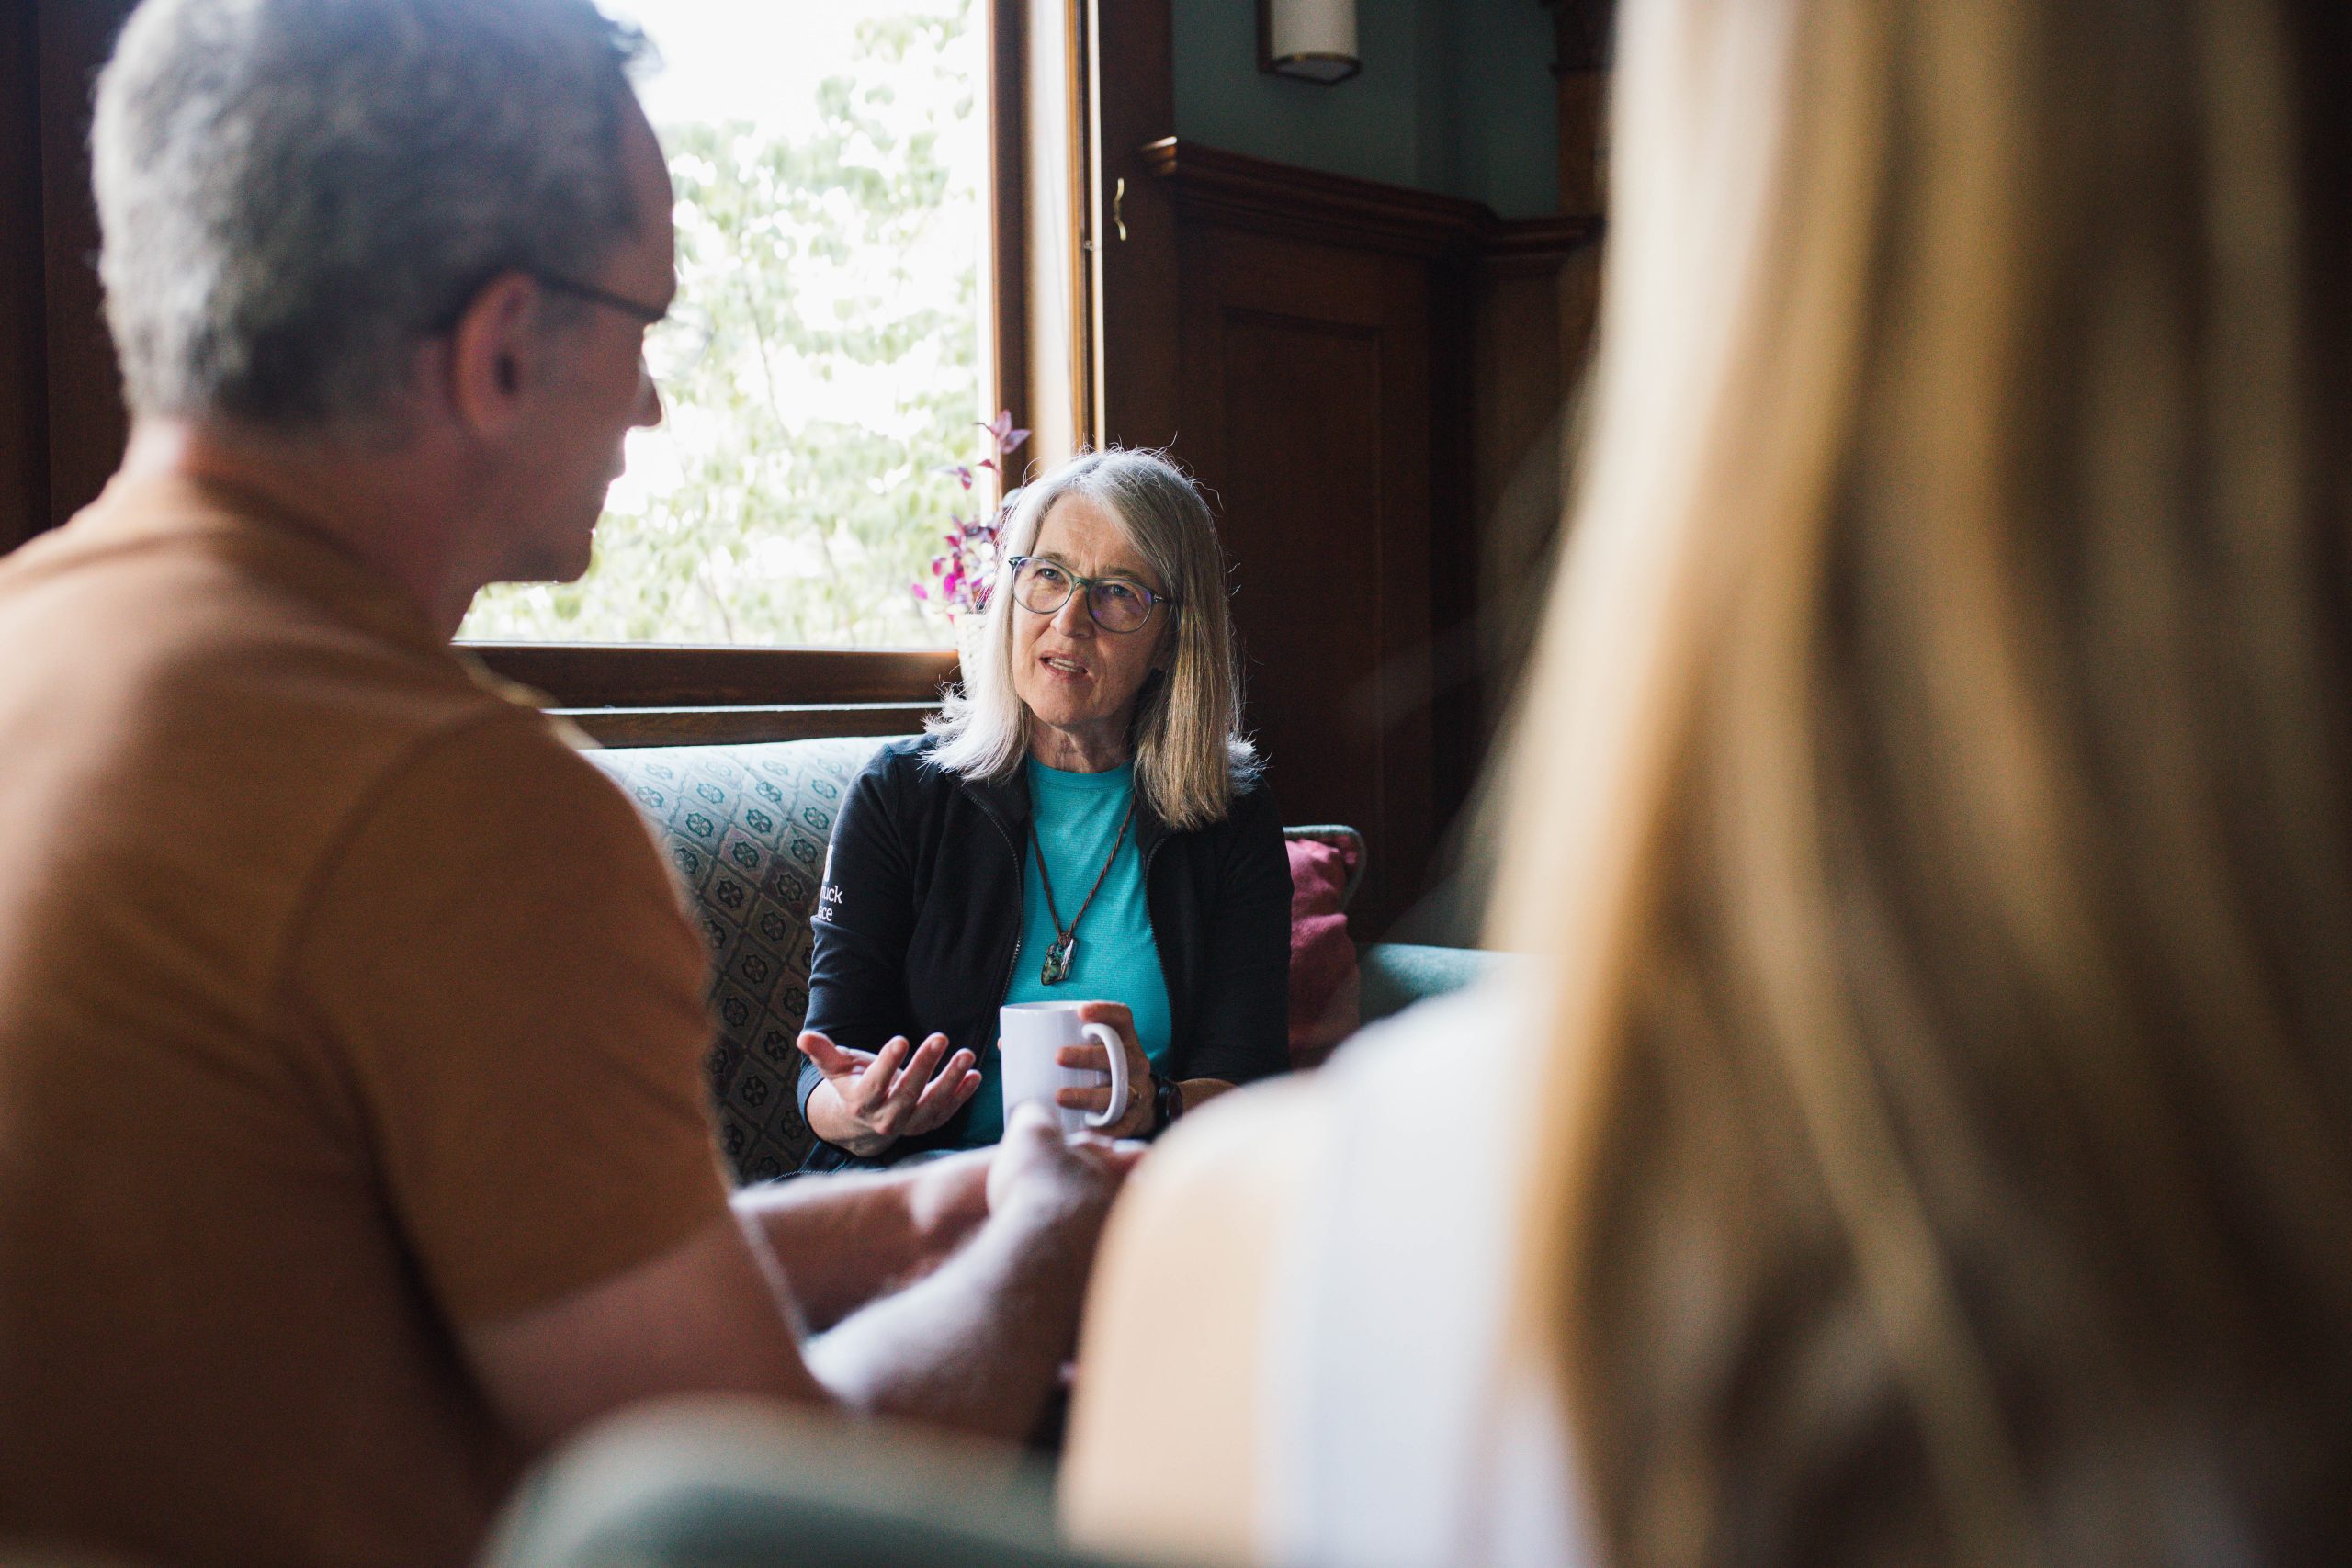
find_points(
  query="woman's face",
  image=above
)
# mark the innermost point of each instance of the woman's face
(1071, 674)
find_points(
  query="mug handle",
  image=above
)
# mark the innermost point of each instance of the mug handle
(1108, 1038)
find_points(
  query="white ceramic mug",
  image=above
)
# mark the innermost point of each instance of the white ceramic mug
(1028, 1035)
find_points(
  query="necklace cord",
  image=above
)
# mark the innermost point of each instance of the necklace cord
(1063, 933)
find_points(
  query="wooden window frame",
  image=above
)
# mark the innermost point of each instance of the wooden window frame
(1068, 79)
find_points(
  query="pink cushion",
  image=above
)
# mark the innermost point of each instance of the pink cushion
(1324, 1001)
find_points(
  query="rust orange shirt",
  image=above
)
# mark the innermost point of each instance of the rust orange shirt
(342, 1005)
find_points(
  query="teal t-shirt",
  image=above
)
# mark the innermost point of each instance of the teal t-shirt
(1076, 816)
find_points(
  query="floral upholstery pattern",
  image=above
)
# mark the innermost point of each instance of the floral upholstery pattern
(746, 828)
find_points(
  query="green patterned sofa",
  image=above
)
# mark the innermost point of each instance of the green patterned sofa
(746, 827)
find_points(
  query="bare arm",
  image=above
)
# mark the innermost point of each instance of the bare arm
(845, 1240)
(1163, 1462)
(975, 1345)
(709, 1316)
(926, 1353)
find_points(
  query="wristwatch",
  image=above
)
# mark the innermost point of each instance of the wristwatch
(1167, 1103)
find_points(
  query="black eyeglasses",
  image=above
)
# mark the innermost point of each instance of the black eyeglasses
(1118, 604)
(675, 338)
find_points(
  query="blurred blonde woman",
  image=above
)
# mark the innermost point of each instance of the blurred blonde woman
(1929, 1128)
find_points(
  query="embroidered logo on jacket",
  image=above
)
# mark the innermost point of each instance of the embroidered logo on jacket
(829, 892)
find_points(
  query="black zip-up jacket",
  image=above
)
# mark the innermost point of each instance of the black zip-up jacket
(920, 915)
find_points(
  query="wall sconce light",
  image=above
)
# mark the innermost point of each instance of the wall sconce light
(1313, 40)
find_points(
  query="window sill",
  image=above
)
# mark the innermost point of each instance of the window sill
(655, 695)
(743, 724)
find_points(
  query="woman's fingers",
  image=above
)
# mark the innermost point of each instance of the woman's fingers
(1093, 1057)
(841, 1064)
(945, 1094)
(910, 1079)
(1088, 1056)
(831, 1059)
(1121, 1021)
(900, 1090)
(871, 1090)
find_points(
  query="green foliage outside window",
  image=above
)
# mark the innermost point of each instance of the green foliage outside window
(795, 491)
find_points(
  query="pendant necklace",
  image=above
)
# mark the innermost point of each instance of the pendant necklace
(1064, 947)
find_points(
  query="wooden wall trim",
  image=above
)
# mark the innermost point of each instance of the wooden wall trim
(604, 675)
(744, 726)
(1234, 188)
(1533, 245)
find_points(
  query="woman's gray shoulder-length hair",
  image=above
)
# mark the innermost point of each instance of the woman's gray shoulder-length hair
(1190, 754)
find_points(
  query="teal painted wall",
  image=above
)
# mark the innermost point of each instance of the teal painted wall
(1455, 97)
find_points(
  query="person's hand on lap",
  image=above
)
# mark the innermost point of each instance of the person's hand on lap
(1135, 1120)
(1039, 1171)
(872, 1099)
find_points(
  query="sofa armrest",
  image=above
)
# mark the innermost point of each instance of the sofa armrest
(1395, 974)
(730, 1483)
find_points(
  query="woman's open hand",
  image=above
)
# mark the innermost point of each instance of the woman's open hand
(872, 1099)
(1136, 1119)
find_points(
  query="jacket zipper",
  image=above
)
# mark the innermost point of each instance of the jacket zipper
(1021, 902)
(1158, 952)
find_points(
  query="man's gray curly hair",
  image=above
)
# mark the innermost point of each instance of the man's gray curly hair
(295, 193)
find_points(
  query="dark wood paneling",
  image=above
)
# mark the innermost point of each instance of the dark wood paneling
(596, 675)
(87, 424)
(24, 390)
(1360, 366)
(740, 726)
(1306, 409)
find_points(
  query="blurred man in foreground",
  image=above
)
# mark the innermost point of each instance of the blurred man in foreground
(353, 1146)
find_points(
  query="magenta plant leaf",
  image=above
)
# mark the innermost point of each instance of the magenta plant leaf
(1002, 432)
(961, 578)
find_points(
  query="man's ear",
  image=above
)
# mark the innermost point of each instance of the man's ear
(495, 354)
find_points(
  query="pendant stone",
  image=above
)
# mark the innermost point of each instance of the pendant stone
(1057, 957)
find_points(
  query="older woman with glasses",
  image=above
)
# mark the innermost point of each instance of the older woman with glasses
(1084, 822)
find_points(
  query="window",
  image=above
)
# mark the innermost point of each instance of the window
(962, 286)
(830, 162)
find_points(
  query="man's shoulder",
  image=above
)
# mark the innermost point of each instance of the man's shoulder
(183, 664)
(163, 601)
(170, 583)
(496, 787)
